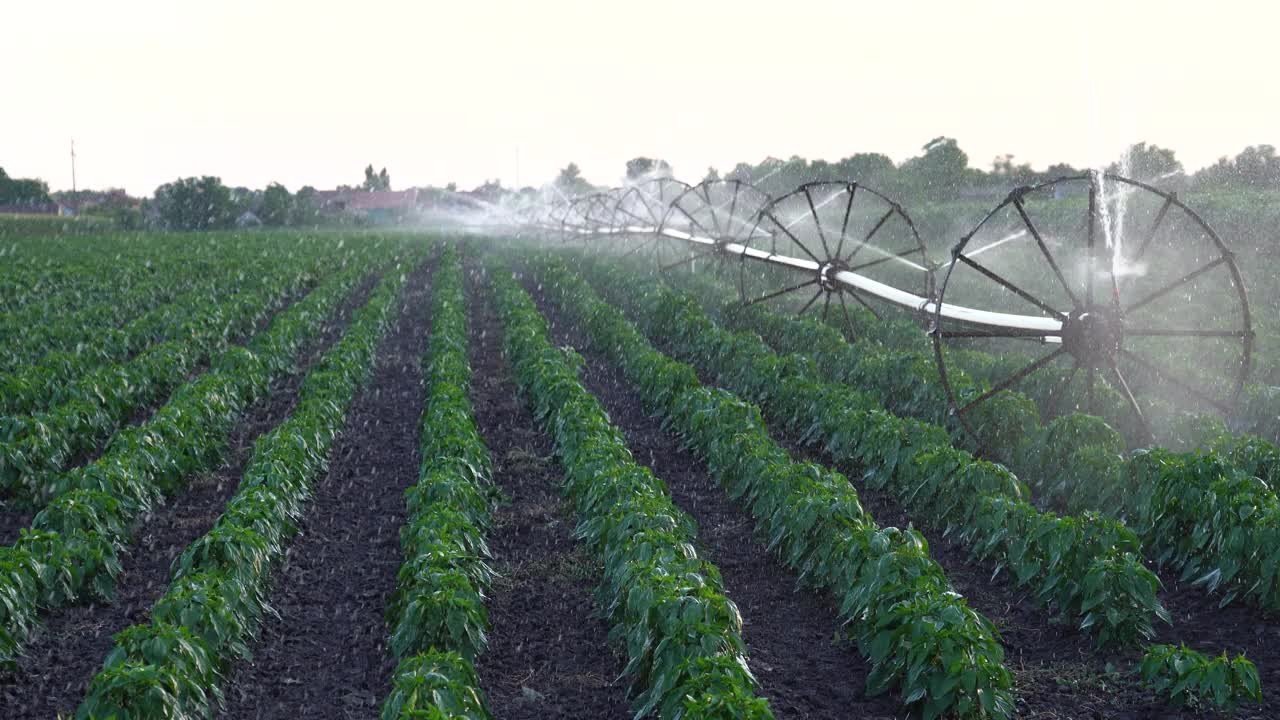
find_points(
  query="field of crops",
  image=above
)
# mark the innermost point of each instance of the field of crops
(401, 475)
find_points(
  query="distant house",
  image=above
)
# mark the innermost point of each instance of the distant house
(71, 204)
(385, 206)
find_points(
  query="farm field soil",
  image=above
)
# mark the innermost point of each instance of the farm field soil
(790, 632)
(59, 664)
(326, 656)
(1058, 674)
(548, 653)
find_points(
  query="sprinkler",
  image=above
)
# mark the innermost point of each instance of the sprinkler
(1094, 287)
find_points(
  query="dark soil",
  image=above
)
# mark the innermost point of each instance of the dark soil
(1058, 673)
(791, 633)
(548, 654)
(61, 661)
(326, 656)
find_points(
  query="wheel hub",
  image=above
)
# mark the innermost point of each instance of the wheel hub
(1093, 336)
(827, 274)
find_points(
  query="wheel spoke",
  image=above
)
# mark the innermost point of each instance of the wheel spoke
(848, 319)
(641, 246)
(1180, 281)
(1128, 396)
(1016, 290)
(703, 228)
(1090, 381)
(1055, 397)
(1044, 250)
(1155, 225)
(1165, 374)
(711, 208)
(1013, 379)
(889, 258)
(826, 305)
(636, 217)
(813, 212)
(861, 301)
(688, 259)
(733, 202)
(783, 291)
(793, 238)
(852, 189)
(879, 224)
(1157, 332)
(1089, 234)
(810, 303)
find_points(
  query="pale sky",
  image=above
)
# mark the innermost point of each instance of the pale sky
(309, 92)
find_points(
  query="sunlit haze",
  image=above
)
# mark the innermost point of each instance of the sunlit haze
(439, 92)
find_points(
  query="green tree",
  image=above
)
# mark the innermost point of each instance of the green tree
(712, 175)
(570, 181)
(872, 169)
(941, 173)
(18, 191)
(202, 203)
(305, 206)
(643, 168)
(379, 181)
(1149, 163)
(277, 206)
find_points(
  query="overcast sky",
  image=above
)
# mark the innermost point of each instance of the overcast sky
(310, 92)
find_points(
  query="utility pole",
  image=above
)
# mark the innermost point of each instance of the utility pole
(73, 165)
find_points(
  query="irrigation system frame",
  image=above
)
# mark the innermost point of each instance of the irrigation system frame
(733, 220)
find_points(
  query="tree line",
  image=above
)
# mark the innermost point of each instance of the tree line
(941, 172)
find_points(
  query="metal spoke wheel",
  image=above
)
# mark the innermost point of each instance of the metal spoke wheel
(639, 209)
(702, 220)
(833, 226)
(587, 219)
(1133, 308)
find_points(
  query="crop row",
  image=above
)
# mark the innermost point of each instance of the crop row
(39, 384)
(1205, 514)
(919, 636)
(892, 359)
(1087, 567)
(172, 666)
(37, 339)
(71, 552)
(90, 298)
(36, 447)
(666, 605)
(437, 616)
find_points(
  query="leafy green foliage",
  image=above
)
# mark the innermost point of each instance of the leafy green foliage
(979, 501)
(437, 616)
(435, 685)
(919, 637)
(666, 605)
(217, 599)
(1188, 677)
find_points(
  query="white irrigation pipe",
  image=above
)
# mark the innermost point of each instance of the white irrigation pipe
(1051, 327)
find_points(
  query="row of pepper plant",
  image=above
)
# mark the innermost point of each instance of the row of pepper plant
(102, 301)
(1205, 514)
(437, 617)
(72, 551)
(35, 448)
(1087, 567)
(172, 666)
(918, 635)
(37, 385)
(665, 604)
